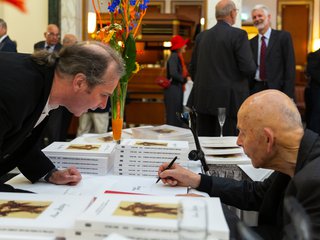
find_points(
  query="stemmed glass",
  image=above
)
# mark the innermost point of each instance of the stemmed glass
(221, 119)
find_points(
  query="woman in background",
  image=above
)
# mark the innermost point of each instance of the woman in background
(178, 74)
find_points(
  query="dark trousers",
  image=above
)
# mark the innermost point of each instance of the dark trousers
(173, 99)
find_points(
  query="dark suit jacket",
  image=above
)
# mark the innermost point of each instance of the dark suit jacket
(280, 61)
(24, 91)
(267, 196)
(7, 45)
(313, 67)
(40, 46)
(220, 67)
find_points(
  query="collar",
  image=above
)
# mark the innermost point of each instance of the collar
(309, 142)
(3, 37)
(266, 34)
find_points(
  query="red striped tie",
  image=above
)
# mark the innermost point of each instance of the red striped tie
(262, 67)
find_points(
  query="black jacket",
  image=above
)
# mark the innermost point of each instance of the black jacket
(24, 91)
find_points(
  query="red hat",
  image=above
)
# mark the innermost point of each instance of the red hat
(178, 42)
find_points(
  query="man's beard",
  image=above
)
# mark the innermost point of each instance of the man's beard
(260, 25)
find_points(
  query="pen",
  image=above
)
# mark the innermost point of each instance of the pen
(168, 167)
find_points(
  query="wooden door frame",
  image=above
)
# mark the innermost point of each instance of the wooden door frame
(311, 6)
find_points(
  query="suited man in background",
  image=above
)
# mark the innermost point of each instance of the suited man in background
(313, 108)
(51, 44)
(56, 129)
(276, 64)
(220, 67)
(6, 44)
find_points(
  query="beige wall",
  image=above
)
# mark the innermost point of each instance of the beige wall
(26, 28)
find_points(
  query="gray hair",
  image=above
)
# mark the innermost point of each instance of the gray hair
(223, 11)
(262, 7)
(3, 23)
(89, 58)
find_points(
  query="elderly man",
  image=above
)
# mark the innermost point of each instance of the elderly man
(51, 44)
(272, 135)
(220, 67)
(69, 39)
(274, 54)
(6, 44)
(82, 78)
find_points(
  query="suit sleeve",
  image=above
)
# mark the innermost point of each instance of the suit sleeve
(194, 59)
(10, 47)
(244, 56)
(245, 195)
(313, 66)
(305, 188)
(290, 66)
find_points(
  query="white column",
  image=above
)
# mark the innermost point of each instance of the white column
(71, 18)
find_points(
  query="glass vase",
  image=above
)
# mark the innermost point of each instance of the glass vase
(118, 100)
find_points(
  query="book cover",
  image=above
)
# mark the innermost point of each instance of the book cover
(152, 144)
(39, 214)
(162, 132)
(79, 149)
(154, 216)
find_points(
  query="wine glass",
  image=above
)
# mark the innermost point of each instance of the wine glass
(221, 119)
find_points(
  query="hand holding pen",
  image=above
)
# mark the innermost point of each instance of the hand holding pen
(168, 167)
(176, 175)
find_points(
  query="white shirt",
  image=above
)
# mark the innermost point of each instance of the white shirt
(3, 37)
(45, 112)
(50, 49)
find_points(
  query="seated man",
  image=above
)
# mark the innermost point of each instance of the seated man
(272, 135)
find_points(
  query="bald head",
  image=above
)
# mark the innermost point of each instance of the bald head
(270, 130)
(271, 108)
(223, 8)
(69, 39)
(52, 34)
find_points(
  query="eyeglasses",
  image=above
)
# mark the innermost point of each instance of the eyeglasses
(51, 34)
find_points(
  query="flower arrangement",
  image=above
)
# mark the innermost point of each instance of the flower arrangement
(125, 19)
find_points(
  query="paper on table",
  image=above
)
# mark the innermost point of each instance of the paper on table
(256, 174)
(142, 185)
(89, 185)
(95, 185)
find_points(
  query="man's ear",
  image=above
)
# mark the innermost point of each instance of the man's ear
(269, 134)
(79, 82)
(45, 34)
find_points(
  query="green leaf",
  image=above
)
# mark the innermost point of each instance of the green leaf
(129, 56)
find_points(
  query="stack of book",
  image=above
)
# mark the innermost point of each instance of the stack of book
(39, 216)
(89, 158)
(223, 150)
(151, 217)
(166, 132)
(142, 157)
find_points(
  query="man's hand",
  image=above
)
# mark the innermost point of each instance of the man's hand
(70, 176)
(178, 176)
